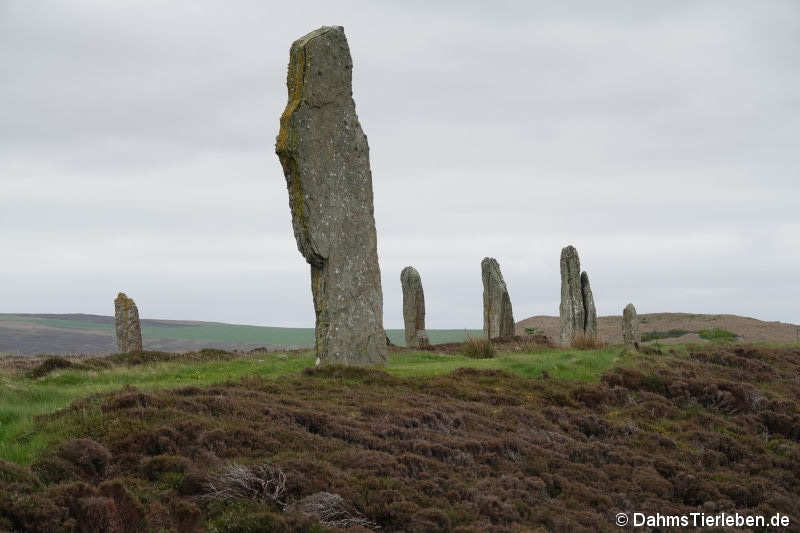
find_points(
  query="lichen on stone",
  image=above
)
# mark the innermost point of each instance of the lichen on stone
(127, 326)
(329, 184)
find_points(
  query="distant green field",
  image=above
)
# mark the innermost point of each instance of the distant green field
(236, 333)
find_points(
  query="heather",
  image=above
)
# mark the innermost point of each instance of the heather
(547, 439)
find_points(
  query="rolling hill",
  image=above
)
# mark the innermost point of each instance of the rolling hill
(29, 334)
(688, 325)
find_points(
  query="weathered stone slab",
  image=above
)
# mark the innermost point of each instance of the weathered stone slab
(413, 305)
(325, 159)
(126, 321)
(498, 318)
(630, 326)
(589, 310)
(422, 340)
(571, 310)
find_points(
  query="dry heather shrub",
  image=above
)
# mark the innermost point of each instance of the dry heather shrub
(331, 510)
(531, 345)
(51, 364)
(75, 459)
(263, 483)
(154, 468)
(581, 341)
(477, 348)
(13, 473)
(97, 513)
(130, 511)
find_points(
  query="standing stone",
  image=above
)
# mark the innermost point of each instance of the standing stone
(422, 340)
(590, 312)
(571, 310)
(325, 159)
(126, 320)
(413, 306)
(630, 326)
(498, 319)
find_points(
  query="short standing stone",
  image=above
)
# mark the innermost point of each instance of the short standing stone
(498, 318)
(571, 310)
(422, 340)
(590, 312)
(413, 305)
(126, 321)
(325, 159)
(630, 326)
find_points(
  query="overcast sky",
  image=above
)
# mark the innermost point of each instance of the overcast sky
(659, 138)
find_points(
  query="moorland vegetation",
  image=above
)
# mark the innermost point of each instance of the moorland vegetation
(558, 439)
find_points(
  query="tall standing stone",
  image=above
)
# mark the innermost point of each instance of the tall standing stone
(571, 310)
(413, 307)
(630, 326)
(126, 321)
(325, 159)
(590, 312)
(498, 319)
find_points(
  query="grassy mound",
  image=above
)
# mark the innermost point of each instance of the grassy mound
(50, 364)
(498, 447)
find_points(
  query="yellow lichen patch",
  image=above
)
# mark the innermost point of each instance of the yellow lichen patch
(286, 143)
(294, 81)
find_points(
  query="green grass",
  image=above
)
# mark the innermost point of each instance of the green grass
(716, 334)
(580, 365)
(22, 399)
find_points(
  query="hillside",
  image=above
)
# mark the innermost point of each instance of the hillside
(535, 439)
(29, 334)
(610, 327)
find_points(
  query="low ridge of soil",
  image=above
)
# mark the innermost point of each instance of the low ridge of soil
(748, 330)
(710, 430)
(41, 365)
(513, 343)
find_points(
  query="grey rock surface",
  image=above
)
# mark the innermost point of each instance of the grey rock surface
(590, 312)
(498, 318)
(571, 310)
(126, 321)
(630, 326)
(413, 305)
(325, 159)
(422, 340)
